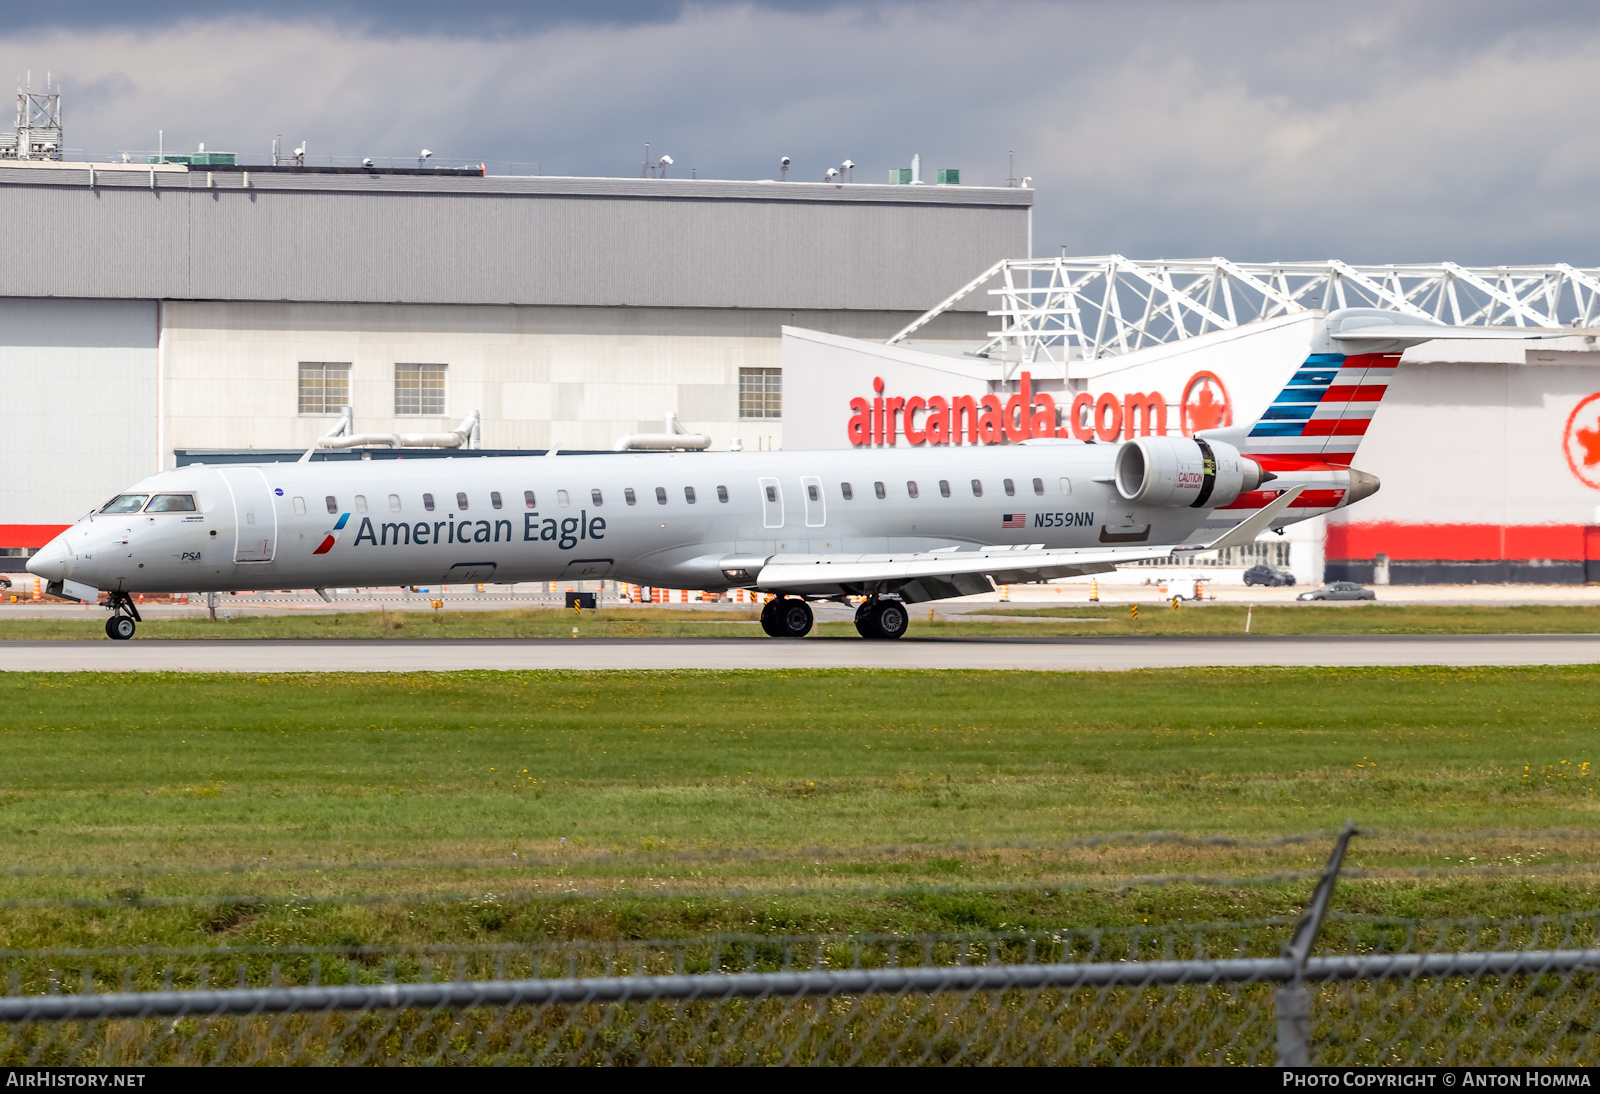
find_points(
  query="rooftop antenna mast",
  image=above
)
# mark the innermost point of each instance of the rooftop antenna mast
(38, 135)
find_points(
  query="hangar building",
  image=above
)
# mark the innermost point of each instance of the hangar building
(149, 312)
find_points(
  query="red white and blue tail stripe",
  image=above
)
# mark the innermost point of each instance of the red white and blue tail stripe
(1320, 416)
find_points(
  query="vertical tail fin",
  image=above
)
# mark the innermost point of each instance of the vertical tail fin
(1323, 411)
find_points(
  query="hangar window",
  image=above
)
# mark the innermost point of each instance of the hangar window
(494, 499)
(1011, 488)
(1038, 487)
(527, 499)
(427, 502)
(761, 393)
(394, 503)
(419, 389)
(461, 501)
(324, 386)
(688, 494)
(361, 503)
(630, 497)
(661, 495)
(849, 494)
(877, 488)
(722, 494)
(911, 489)
(594, 496)
(299, 505)
(170, 503)
(563, 499)
(1066, 485)
(977, 488)
(944, 488)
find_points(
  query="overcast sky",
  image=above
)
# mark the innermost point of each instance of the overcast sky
(1398, 131)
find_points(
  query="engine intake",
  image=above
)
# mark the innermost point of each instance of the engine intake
(1184, 471)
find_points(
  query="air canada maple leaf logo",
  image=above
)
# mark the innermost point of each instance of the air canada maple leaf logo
(1205, 404)
(1581, 441)
(332, 535)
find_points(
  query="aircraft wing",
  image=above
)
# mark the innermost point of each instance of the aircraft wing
(934, 575)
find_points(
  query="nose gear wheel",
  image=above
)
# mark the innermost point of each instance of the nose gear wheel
(124, 617)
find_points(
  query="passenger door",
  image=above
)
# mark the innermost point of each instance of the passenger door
(771, 503)
(255, 516)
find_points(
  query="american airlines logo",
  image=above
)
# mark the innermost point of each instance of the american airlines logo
(332, 535)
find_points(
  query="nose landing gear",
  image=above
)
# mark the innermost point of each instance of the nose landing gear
(882, 618)
(787, 617)
(124, 615)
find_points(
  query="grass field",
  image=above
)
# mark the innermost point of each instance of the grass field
(643, 622)
(436, 807)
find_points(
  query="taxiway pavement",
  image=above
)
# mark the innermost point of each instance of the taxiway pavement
(1036, 654)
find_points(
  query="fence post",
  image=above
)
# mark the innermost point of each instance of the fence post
(1293, 1000)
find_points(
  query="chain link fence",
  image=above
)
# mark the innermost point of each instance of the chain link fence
(1326, 989)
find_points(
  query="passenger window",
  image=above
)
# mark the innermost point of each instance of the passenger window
(661, 495)
(170, 503)
(361, 503)
(1066, 485)
(527, 499)
(944, 488)
(494, 499)
(849, 494)
(772, 493)
(911, 488)
(1038, 487)
(1011, 488)
(125, 503)
(630, 497)
(977, 488)
(563, 499)
(594, 496)
(427, 502)
(394, 503)
(722, 494)
(877, 488)
(813, 492)
(688, 494)
(461, 501)
(333, 503)
(299, 505)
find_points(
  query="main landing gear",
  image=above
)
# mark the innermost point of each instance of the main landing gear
(124, 615)
(882, 618)
(787, 617)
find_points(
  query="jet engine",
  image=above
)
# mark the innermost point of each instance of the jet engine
(1190, 471)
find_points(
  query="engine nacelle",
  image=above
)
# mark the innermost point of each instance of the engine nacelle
(1186, 471)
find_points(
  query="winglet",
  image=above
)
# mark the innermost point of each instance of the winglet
(1245, 532)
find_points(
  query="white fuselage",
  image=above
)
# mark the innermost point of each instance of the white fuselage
(370, 522)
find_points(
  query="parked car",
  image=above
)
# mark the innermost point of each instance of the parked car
(1266, 575)
(1339, 590)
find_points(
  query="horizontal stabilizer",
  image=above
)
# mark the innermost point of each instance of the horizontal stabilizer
(1245, 532)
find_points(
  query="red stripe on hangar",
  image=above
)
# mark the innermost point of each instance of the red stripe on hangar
(1309, 499)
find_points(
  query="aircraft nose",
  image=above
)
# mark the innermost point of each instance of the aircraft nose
(51, 561)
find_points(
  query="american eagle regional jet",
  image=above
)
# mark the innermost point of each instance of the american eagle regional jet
(896, 527)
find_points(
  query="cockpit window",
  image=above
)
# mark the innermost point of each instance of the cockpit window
(171, 503)
(125, 503)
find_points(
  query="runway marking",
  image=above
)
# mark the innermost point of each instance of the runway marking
(1077, 654)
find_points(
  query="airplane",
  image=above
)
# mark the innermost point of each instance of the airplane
(893, 526)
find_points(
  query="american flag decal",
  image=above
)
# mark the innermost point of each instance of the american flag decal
(1013, 520)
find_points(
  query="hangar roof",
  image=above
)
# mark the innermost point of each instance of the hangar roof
(168, 231)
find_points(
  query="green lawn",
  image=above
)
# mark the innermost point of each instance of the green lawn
(641, 622)
(703, 801)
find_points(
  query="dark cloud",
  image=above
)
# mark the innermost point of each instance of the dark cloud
(1374, 131)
